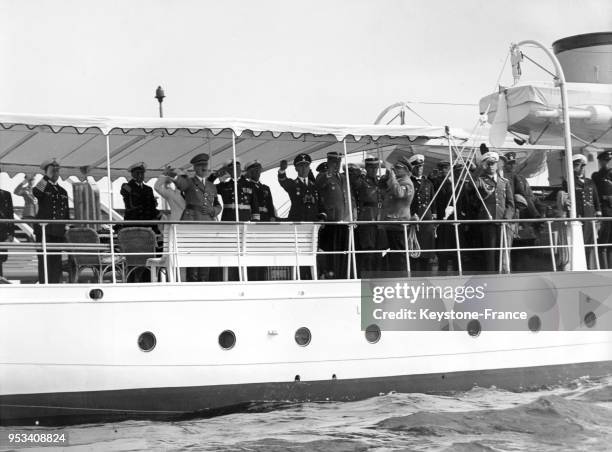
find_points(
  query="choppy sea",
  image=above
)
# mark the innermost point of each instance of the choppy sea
(574, 417)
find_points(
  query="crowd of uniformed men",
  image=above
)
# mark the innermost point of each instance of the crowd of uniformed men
(397, 193)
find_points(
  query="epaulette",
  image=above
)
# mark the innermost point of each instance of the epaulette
(126, 187)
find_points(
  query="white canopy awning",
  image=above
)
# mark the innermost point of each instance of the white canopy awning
(27, 140)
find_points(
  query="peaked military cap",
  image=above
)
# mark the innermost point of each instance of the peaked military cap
(372, 161)
(333, 155)
(138, 166)
(301, 158)
(443, 164)
(605, 155)
(322, 167)
(509, 157)
(252, 164)
(579, 158)
(48, 162)
(403, 161)
(199, 159)
(490, 156)
(417, 160)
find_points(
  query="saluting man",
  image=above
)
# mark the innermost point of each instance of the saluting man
(603, 184)
(396, 207)
(369, 194)
(587, 199)
(52, 205)
(422, 210)
(262, 192)
(248, 208)
(305, 200)
(7, 230)
(201, 204)
(498, 200)
(138, 198)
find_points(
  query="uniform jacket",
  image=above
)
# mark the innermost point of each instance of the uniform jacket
(398, 198)
(497, 196)
(423, 194)
(332, 189)
(369, 195)
(264, 201)
(30, 207)
(197, 195)
(6, 213)
(248, 208)
(140, 202)
(52, 205)
(520, 186)
(305, 200)
(603, 183)
(587, 198)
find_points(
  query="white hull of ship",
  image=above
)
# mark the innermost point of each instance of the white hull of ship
(62, 352)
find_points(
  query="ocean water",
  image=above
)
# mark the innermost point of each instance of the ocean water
(574, 417)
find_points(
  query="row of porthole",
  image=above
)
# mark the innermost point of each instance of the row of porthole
(227, 339)
(303, 336)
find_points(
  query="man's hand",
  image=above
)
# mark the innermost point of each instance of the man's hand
(283, 165)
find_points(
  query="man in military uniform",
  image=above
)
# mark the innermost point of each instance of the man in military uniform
(305, 201)
(52, 205)
(7, 230)
(396, 207)
(587, 200)
(369, 195)
(332, 187)
(445, 233)
(138, 198)
(201, 203)
(603, 184)
(262, 192)
(421, 209)
(248, 208)
(497, 203)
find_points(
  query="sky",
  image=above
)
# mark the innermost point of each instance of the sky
(322, 61)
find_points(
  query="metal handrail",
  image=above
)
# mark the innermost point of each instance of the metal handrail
(49, 249)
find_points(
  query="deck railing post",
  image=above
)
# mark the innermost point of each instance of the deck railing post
(459, 265)
(296, 273)
(550, 245)
(406, 248)
(595, 247)
(44, 250)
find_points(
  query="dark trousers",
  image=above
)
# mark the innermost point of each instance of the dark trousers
(54, 262)
(334, 237)
(489, 238)
(195, 274)
(396, 262)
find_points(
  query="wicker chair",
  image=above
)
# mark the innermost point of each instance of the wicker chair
(137, 245)
(99, 264)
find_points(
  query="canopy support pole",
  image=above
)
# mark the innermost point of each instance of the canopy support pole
(236, 200)
(109, 183)
(351, 250)
(452, 180)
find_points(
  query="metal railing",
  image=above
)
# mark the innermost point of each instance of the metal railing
(555, 231)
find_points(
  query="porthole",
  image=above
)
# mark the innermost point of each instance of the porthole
(227, 339)
(474, 328)
(372, 334)
(147, 341)
(303, 336)
(590, 319)
(96, 294)
(534, 323)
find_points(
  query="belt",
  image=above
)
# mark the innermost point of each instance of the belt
(240, 206)
(193, 206)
